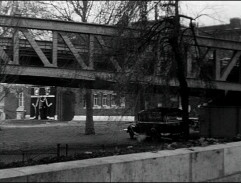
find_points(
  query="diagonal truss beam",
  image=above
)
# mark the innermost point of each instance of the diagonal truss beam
(4, 56)
(115, 63)
(73, 50)
(36, 48)
(104, 47)
(101, 42)
(231, 64)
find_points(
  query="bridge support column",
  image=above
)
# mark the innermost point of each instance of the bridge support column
(16, 47)
(239, 71)
(55, 48)
(217, 65)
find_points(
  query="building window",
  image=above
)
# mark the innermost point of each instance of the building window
(84, 101)
(113, 98)
(95, 100)
(104, 100)
(36, 91)
(20, 99)
(47, 90)
(122, 101)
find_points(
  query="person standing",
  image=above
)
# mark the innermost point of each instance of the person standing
(43, 108)
(36, 108)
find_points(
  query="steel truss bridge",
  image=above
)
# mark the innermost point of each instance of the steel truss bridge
(78, 54)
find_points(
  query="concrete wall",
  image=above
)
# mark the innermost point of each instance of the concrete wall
(213, 164)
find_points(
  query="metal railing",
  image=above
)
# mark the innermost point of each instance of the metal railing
(27, 156)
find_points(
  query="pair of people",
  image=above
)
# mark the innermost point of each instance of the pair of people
(41, 108)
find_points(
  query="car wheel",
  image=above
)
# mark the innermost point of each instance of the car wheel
(131, 134)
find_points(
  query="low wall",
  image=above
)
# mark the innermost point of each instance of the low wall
(105, 118)
(96, 118)
(200, 164)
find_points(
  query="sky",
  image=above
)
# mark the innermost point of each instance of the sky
(215, 12)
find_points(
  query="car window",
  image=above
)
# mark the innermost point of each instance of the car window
(159, 116)
(155, 116)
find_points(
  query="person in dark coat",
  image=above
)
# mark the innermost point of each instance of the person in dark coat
(43, 108)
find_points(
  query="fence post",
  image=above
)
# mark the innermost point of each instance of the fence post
(23, 157)
(58, 150)
(66, 149)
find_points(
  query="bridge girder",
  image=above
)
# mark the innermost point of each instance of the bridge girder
(103, 78)
(95, 31)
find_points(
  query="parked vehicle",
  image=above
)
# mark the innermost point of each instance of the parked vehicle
(157, 122)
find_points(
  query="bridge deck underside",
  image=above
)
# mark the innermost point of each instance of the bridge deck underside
(102, 80)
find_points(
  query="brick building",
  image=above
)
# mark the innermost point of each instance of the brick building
(67, 104)
(24, 101)
(14, 101)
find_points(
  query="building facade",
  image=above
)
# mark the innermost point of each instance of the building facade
(66, 104)
(14, 101)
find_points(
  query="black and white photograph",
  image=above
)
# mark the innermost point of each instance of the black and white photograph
(120, 91)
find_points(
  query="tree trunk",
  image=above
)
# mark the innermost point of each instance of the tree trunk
(181, 74)
(184, 92)
(140, 102)
(89, 124)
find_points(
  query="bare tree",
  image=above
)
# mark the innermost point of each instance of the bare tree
(166, 38)
(67, 10)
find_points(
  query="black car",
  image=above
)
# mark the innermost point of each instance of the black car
(157, 122)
